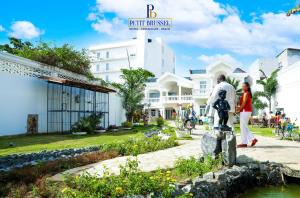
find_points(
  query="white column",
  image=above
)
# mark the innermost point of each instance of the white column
(179, 87)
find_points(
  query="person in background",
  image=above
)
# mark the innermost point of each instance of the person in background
(230, 97)
(245, 110)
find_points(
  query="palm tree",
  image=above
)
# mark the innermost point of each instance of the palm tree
(131, 90)
(269, 85)
(293, 10)
(236, 84)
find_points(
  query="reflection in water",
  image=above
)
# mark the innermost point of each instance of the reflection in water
(291, 191)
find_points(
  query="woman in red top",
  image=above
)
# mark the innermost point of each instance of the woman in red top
(245, 110)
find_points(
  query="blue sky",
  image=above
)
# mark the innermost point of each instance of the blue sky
(238, 31)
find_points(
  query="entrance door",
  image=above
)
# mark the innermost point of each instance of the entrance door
(168, 114)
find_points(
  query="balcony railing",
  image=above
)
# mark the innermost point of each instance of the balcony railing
(169, 99)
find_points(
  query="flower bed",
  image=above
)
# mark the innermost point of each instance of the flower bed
(22, 180)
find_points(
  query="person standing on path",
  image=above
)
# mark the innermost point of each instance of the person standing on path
(230, 97)
(245, 110)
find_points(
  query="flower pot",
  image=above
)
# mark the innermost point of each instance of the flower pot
(79, 133)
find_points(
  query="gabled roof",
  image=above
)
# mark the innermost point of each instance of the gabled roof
(197, 71)
(291, 49)
(238, 70)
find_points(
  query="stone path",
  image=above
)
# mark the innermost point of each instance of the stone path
(267, 149)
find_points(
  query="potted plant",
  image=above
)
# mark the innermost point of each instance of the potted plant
(127, 125)
(113, 128)
(86, 125)
(100, 129)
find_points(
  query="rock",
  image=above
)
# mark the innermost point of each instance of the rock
(187, 188)
(211, 145)
(229, 149)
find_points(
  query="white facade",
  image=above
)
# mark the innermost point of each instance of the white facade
(288, 78)
(140, 52)
(24, 91)
(171, 92)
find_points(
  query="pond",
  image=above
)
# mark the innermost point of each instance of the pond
(290, 191)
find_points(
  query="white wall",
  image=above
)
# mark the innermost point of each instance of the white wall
(288, 93)
(20, 96)
(117, 113)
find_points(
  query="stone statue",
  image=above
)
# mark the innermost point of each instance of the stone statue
(223, 107)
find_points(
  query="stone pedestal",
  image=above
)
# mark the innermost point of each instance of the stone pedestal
(220, 141)
(229, 148)
(211, 145)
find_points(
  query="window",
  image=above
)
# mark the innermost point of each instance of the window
(107, 66)
(97, 67)
(107, 54)
(162, 62)
(162, 49)
(106, 78)
(202, 109)
(203, 86)
(154, 95)
(153, 112)
(98, 55)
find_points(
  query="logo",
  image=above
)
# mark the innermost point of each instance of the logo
(150, 11)
(151, 22)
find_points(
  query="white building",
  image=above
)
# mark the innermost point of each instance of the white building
(287, 95)
(46, 98)
(171, 92)
(140, 52)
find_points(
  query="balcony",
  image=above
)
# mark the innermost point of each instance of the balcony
(169, 99)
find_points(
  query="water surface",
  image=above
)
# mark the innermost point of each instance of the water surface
(290, 191)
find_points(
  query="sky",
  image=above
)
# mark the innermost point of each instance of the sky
(235, 31)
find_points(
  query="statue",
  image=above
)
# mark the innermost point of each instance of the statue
(223, 107)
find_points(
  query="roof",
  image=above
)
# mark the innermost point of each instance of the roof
(188, 78)
(150, 80)
(197, 71)
(238, 70)
(293, 49)
(77, 84)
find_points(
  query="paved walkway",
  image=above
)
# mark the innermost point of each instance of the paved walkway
(267, 149)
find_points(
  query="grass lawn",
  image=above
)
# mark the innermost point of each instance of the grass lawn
(36, 143)
(258, 131)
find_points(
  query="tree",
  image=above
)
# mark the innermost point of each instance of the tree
(65, 56)
(269, 85)
(131, 90)
(236, 84)
(293, 10)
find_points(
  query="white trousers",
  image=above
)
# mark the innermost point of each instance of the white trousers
(246, 135)
(230, 120)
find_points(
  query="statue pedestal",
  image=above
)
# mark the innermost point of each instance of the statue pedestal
(220, 141)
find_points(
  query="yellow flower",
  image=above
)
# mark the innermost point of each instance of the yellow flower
(168, 178)
(173, 180)
(119, 190)
(168, 172)
(191, 194)
(135, 146)
(64, 190)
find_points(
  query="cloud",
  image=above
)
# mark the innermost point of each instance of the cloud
(219, 57)
(207, 24)
(24, 30)
(2, 29)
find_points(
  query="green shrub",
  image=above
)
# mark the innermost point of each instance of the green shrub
(130, 182)
(193, 167)
(160, 121)
(127, 124)
(170, 131)
(138, 146)
(87, 124)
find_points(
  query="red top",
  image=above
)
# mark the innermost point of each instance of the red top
(248, 105)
